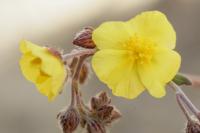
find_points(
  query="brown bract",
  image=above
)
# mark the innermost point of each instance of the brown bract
(84, 38)
(102, 109)
(69, 120)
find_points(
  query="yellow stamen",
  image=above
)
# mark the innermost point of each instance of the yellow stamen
(141, 49)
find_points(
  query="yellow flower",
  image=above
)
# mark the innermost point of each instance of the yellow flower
(136, 55)
(42, 68)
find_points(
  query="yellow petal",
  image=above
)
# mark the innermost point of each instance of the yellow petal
(50, 86)
(50, 63)
(26, 46)
(54, 67)
(163, 67)
(53, 76)
(111, 35)
(114, 67)
(42, 68)
(154, 25)
(45, 88)
(42, 77)
(30, 67)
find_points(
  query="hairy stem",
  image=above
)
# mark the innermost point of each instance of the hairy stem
(79, 53)
(75, 79)
(72, 68)
(182, 106)
(185, 99)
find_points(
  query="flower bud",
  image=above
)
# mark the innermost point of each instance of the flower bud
(84, 38)
(104, 112)
(193, 126)
(83, 123)
(94, 102)
(115, 115)
(95, 127)
(104, 98)
(69, 120)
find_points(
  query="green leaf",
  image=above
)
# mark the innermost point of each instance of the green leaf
(181, 79)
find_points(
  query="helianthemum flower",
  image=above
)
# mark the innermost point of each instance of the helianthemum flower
(136, 55)
(42, 68)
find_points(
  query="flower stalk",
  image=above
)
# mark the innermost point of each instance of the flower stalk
(75, 79)
(78, 53)
(73, 93)
(183, 108)
(183, 101)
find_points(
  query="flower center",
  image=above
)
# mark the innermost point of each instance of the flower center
(141, 49)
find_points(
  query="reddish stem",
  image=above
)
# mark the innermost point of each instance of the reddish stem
(185, 99)
(182, 106)
(79, 53)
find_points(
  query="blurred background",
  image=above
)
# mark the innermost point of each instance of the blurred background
(54, 22)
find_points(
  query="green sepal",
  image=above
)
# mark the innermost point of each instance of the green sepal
(181, 79)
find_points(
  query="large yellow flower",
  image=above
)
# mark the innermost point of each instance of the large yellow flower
(42, 68)
(136, 55)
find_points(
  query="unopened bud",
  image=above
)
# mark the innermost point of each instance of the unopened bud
(105, 112)
(84, 38)
(69, 120)
(193, 126)
(115, 115)
(94, 102)
(95, 127)
(104, 98)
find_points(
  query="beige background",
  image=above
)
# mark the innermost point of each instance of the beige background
(54, 22)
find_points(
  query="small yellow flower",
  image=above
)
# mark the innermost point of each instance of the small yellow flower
(42, 68)
(136, 55)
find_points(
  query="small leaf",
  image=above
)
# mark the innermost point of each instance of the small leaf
(181, 79)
